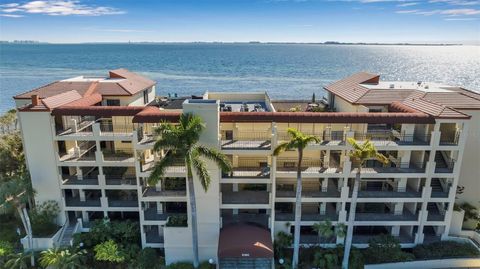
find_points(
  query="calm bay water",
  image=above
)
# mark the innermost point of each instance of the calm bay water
(284, 70)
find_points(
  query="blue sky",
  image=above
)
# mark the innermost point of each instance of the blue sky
(71, 21)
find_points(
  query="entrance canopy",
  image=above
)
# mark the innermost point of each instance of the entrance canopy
(245, 241)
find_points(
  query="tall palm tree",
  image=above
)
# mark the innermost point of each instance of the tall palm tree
(298, 141)
(63, 258)
(17, 193)
(181, 142)
(360, 154)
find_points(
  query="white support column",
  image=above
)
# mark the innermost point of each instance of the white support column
(159, 208)
(85, 217)
(398, 208)
(395, 230)
(402, 185)
(82, 195)
(323, 208)
(325, 185)
(235, 187)
(79, 173)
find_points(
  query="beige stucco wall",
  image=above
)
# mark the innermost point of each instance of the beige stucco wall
(470, 173)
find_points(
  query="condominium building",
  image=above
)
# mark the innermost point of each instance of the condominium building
(89, 146)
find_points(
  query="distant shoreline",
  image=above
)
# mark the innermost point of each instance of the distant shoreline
(328, 43)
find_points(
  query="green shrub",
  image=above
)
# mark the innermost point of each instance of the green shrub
(177, 221)
(148, 259)
(385, 249)
(123, 232)
(206, 265)
(43, 218)
(180, 265)
(444, 249)
(282, 242)
(109, 251)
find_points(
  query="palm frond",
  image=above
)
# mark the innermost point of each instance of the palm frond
(201, 171)
(282, 147)
(218, 157)
(159, 169)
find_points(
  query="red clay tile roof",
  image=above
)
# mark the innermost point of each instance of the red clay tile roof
(131, 84)
(458, 100)
(61, 99)
(152, 114)
(245, 241)
(55, 88)
(349, 88)
(434, 109)
(134, 83)
(381, 97)
(86, 101)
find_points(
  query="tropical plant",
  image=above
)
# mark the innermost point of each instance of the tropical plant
(445, 249)
(109, 251)
(323, 229)
(359, 154)
(124, 232)
(16, 193)
(385, 248)
(283, 240)
(6, 249)
(12, 157)
(148, 259)
(8, 121)
(181, 143)
(43, 218)
(341, 230)
(19, 260)
(298, 141)
(63, 258)
(326, 260)
(471, 212)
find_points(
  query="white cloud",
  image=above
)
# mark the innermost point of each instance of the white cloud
(407, 4)
(59, 8)
(11, 15)
(413, 11)
(460, 19)
(457, 2)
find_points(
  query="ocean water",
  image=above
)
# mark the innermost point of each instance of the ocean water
(284, 70)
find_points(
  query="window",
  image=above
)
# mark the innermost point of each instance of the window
(115, 102)
(145, 96)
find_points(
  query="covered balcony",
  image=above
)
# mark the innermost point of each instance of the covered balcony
(161, 211)
(246, 140)
(153, 234)
(310, 212)
(256, 217)
(122, 198)
(74, 125)
(167, 187)
(382, 212)
(79, 176)
(245, 194)
(82, 198)
(383, 188)
(310, 189)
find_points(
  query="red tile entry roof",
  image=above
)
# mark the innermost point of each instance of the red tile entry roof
(244, 241)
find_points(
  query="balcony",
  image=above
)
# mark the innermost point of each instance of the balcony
(440, 189)
(364, 239)
(152, 236)
(449, 138)
(258, 219)
(405, 216)
(84, 152)
(392, 138)
(152, 214)
(74, 180)
(331, 192)
(248, 172)
(327, 138)
(393, 168)
(177, 167)
(89, 202)
(247, 141)
(112, 202)
(81, 128)
(245, 197)
(108, 128)
(285, 216)
(378, 189)
(315, 239)
(113, 180)
(309, 166)
(153, 192)
(118, 156)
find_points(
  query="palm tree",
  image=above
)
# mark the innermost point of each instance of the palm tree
(62, 258)
(17, 193)
(360, 154)
(297, 141)
(19, 260)
(323, 229)
(181, 142)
